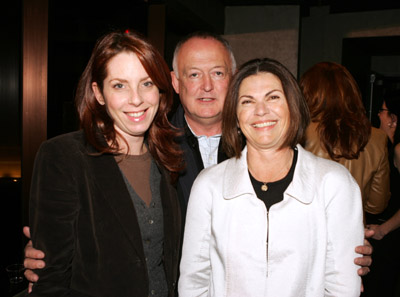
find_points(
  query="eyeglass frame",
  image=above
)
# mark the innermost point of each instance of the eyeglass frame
(384, 109)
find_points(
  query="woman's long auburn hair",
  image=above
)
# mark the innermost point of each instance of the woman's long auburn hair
(335, 103)
(96, 122)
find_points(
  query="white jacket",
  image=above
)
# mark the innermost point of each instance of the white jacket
(304, 245)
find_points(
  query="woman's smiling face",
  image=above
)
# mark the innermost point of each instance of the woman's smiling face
(262, 111)
(130, 96)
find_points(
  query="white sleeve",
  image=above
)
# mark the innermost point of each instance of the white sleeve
(345, 230)
(195, 265)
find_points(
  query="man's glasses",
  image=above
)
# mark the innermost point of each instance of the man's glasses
(384, 109)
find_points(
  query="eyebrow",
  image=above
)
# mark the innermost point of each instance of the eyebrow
(118, 79)
(125, 80)
(219, 66)
(266, 95)
(199, 69)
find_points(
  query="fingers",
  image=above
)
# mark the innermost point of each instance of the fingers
(31, 276)
(26, 232)
(365, 249)
(365, 261)
(361, 272)
(31, 252)
(31, 260)
(33, 263)
(30, 287)
(368, 233)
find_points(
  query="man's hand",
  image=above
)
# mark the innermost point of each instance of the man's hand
(366, 250)
(32, 260)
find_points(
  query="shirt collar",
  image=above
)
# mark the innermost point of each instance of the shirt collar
(198, 136)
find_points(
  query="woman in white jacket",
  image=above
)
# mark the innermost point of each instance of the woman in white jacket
(274, 220)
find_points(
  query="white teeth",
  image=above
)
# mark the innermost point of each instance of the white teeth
(206, 99)
(265, 124)
(135, 114)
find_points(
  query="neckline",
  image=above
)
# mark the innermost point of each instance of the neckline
(283, 179)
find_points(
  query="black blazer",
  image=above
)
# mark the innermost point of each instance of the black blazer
(194, 164)
(82, 217)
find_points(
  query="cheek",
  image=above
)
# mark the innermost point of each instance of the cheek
(156, 99)
(112, 103)
(189, 87)
(223, 86)
(283, 110)
(151, 98)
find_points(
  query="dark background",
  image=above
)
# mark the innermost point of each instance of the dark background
(73, 28)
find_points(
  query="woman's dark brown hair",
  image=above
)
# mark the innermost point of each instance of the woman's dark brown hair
(96, 122)
(299, 115)
(334, 100)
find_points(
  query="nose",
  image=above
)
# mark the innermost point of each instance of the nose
(135, 98)
(208, 83)
(261, 108)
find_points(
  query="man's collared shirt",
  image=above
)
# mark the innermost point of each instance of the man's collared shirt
(208, 146)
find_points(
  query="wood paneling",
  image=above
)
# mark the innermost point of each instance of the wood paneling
(34, 87)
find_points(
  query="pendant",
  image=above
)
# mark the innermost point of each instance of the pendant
(264, 188)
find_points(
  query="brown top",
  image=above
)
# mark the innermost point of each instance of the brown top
(370, 170)
(136, 169)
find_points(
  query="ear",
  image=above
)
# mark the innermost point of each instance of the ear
(394, 120)
(175, 82)
(98, 94)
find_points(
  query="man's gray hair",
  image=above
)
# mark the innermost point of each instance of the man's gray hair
(203, 35)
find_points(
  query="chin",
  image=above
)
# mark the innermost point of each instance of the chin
(210, 114)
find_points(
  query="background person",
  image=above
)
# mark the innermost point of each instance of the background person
(102, 206)
(340, 131)
(274, 220)
(384, 279)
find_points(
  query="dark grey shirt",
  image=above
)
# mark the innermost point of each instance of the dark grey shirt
(152, 230)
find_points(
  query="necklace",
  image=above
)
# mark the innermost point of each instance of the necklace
(264, 187)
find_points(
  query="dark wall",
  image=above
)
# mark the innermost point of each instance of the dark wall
(184, 17)
(357, 55)
(10, 55)
(74, 27)
(10, 121)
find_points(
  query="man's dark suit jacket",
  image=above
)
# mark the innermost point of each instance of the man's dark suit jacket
(83, 218)
(194, 164)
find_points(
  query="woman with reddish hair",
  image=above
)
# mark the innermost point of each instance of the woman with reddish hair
(340, 131)
(103, 207)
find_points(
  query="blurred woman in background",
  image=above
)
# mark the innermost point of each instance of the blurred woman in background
(384, 278)
(340, 131)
